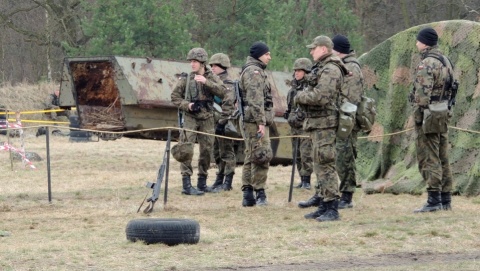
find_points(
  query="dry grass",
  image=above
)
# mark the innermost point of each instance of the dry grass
(98, 186)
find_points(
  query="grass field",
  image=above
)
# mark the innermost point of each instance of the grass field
(98, 186)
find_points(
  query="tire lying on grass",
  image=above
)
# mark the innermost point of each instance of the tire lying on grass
(169, 231)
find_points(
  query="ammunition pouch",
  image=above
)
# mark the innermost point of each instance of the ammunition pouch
(346, 120)
(435, 118)
(296, 119)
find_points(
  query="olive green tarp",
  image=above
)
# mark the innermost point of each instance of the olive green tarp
(388, 164)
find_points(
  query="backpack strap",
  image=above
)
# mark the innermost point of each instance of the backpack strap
(442, 58)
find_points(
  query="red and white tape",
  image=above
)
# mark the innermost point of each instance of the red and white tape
(10, 125)
(7, 147)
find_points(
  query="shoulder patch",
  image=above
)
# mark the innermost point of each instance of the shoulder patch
(421, 67)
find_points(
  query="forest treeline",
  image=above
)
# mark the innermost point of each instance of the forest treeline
(35, 35)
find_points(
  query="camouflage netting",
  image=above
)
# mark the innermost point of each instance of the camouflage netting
(388, 164)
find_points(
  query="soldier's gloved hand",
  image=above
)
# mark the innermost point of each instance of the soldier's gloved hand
(285, 115)
(195, 107)
(220, 129)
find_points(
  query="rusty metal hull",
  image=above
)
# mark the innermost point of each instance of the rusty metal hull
(113, 93)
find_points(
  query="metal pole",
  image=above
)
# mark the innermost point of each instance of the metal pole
(47, 138)
(169, 137)
(294, 162)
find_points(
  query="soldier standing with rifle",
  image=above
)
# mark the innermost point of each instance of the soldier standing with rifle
(352, 91)
(223, 151)
(320, 103)
(257, 103)
(434, 90)
(195, 99)
(295, 117)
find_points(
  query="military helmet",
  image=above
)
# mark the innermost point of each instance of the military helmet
(182, 151)
(198, 54)
(303, 64)
(261, 155)
(220, 59)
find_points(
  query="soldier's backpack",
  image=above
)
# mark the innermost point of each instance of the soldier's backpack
(366, 110)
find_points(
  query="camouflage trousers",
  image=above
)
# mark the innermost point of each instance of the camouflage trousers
(432, 157)
(253, 174)
(205, 142)
(224, 155)
(324, 156)
(346, 167)
(304, 161)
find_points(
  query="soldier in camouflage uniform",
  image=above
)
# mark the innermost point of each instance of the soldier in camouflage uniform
(52, 102)
(320, 104)
(431, 78)
(223, 151)
(196, 101)
(258, 110)
(295, 117)
(352, 91)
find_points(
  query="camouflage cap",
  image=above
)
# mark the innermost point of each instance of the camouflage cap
(182, 152)
(321, 41)
(261, 155)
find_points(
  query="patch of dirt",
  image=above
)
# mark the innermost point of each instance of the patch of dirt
(382, 260)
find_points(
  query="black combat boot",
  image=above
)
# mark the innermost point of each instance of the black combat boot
(217, 185)
(346, 200)
(188, 189)
(446, 201)
(227, 185)
(320, 211)
(434, 203)
(248, 197)
(331, 214)
(314, 201)
(261, 197)
(305, 182)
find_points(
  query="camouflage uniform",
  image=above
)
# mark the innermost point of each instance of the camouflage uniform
(258, 110)
(319, 102)
(53, 102)
(432, 148)
(352, 91)
(202, 121)
(223, 151)
(304, 161)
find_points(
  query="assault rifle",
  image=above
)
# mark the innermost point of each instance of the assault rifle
(453, 98)
(240, 102)
(157, 185)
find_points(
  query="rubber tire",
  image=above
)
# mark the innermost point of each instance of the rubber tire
(169, 231)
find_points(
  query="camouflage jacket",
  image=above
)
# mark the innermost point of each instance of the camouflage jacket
(198, 92)
(256, 92)
(321, 98)
(352, 88)
(429, 79)
(294, 110)
(52, 101)
(228, 101)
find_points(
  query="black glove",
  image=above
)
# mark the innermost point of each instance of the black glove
(285, 115)
(197, 105)
(220, 129)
